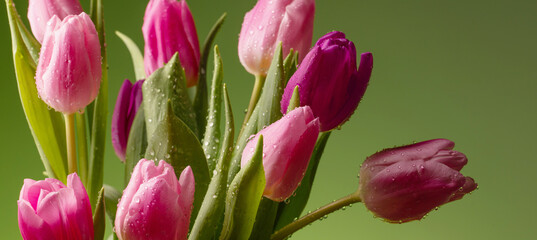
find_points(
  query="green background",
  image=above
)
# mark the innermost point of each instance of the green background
(462, 70)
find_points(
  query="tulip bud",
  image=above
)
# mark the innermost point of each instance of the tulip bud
(69, 69)
(128, 101)
(405, 183)
(271, 22)
(155, 205)
(50, 210)
(287, 147)
(41, 11)
(169, 28)
(328, 80)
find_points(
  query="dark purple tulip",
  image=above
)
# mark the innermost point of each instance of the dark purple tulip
(127, 104)
(328, 81)
(405, 183)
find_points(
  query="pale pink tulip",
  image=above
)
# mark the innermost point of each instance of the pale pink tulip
(40, 11)
(69, 70)
(287, 147)
(155, 205)
(271, 22)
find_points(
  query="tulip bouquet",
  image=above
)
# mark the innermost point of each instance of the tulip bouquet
(187, 174)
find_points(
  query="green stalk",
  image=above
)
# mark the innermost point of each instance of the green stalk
(256, 93)
(82, 146)
(71, 144)
(317, 214)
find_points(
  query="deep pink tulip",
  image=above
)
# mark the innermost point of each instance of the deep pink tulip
(69, 70)
(405, 183)
(40, 11)
(271, 22)
(50, 210)
(128, 101)
(287, 147)
(169, 28)
(155, 205)
(328, 80)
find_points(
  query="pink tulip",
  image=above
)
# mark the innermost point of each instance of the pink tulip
(271, 22)
(41, 11)
(287, 147)
(169, 28)
(155, 205)
(50, 210)
(405, 183)
(69, 70)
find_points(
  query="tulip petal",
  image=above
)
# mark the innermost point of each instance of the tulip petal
(40, 11)
(169, 28)
(153, 213)
(408, 190)
(357, 86)
(187, 188)
(408, 153)
(450, 158)
(153, 203)
(31, 225)
(82, 205)
(69, 70)
(469, 186)
(119, 120)
(272, 22)
(296, 167)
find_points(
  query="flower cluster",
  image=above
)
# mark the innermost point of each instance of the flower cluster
(226, 189)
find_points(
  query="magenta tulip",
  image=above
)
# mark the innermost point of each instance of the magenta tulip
(155, 205)
(128, 101)
(50, 210)
(169, 28)
(329, 82)
(287, 147)
(69, 70)
(271, 22)
(405, 183)
(41, 11)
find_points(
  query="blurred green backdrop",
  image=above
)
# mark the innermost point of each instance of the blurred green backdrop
(462, 70)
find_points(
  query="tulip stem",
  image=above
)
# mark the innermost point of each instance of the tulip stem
(256, 93)
(71, 145)
(317, 214)
(82, 146)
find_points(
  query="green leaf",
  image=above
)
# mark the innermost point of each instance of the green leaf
(264, 220)
(136, 55)
(208, 221)
(287, 212)
(111, 199)
(201, 101)
(243, 197)
(265, 112)
(175, 143)
(269, 102)
(167, 84)
(136, 144)
(46, 125)
(211, 141)
(249, 130)
(100, 112)
(99, 217)
(295, 100)
(290, 65)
